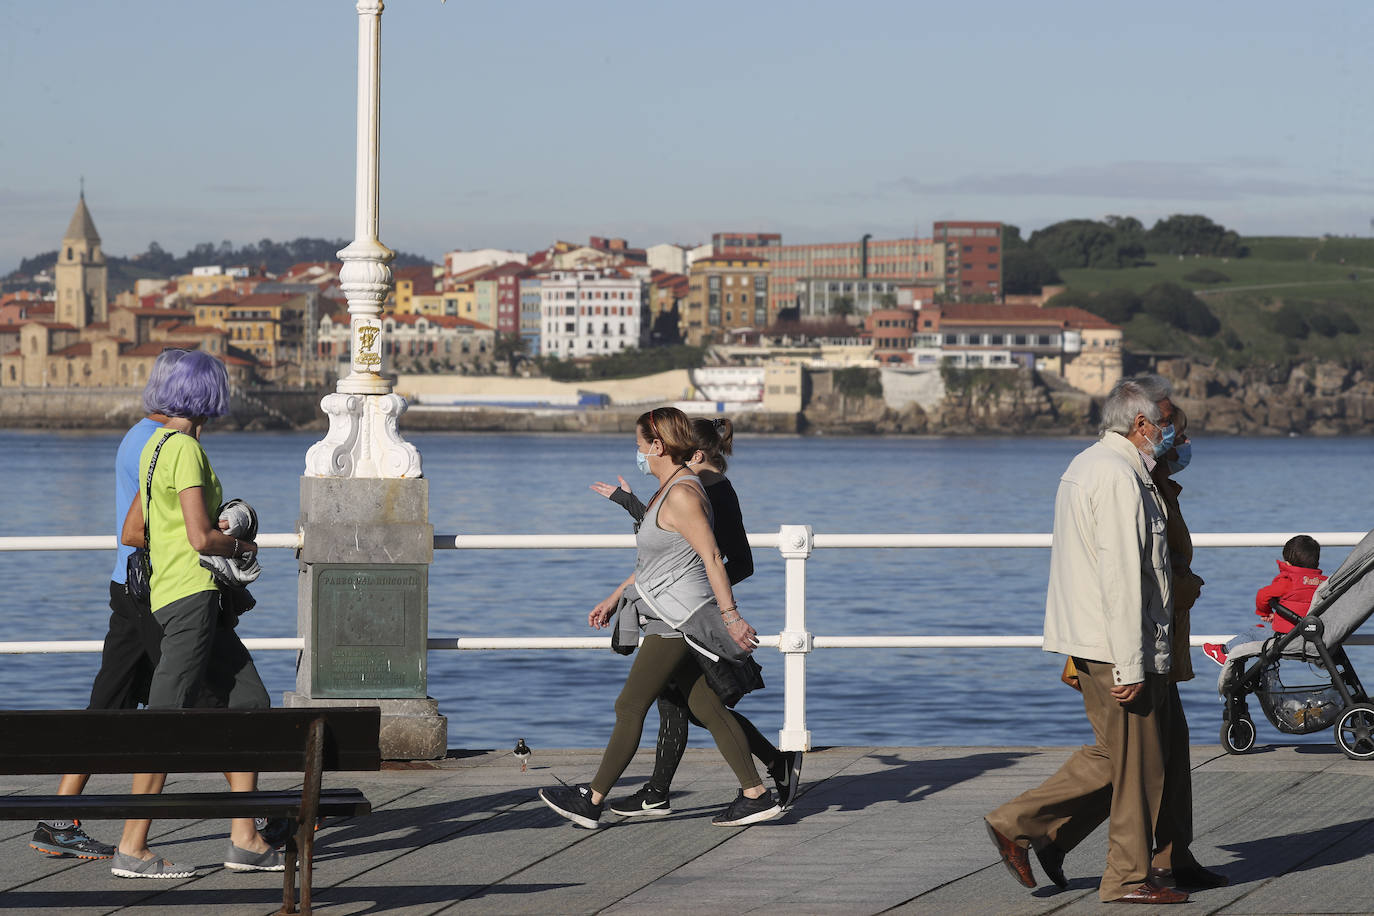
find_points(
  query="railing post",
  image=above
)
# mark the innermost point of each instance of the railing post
(794, 642)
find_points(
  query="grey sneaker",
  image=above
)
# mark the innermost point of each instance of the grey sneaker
(647, 801)
(744, 810)
(240, 859)
(126, 866)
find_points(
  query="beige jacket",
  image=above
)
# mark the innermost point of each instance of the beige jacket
(1110, 595)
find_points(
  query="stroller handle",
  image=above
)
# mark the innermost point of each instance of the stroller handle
(1283, 612)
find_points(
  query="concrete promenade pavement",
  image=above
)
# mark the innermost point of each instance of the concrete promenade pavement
(875, 830)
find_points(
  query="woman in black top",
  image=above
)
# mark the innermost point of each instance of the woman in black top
(714, 441)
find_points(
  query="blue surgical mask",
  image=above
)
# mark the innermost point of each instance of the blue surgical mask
(642, 462)
(1166, 441)
(1185, 455)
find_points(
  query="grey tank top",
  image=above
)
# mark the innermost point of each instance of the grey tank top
(665, 558)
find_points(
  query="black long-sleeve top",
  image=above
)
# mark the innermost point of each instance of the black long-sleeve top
(729, 526)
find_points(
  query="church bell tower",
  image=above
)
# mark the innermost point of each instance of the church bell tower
(82, 275)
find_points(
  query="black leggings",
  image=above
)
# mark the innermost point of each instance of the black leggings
(658, 661)
(673, 716)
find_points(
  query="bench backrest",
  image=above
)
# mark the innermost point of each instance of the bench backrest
(185, 740)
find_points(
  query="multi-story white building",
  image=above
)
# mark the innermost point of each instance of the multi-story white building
(459, 261)
(590, 312)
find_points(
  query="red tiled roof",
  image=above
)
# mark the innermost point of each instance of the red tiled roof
(15, 352)
(226, 296)
(54, 325)
(76, 349)
(153, 348)
(194, 329)
(1021, 314)
(43, 308)
(155, 312)
(265, 300)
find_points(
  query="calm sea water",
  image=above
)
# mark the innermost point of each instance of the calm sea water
(58, 483)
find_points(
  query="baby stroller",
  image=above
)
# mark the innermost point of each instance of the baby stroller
(1303, 679)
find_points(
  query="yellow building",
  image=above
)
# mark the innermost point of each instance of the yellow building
(270, 327)
(212, 311)
(725, 293)
(194, 286)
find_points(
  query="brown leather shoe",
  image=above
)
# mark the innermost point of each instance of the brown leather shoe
(1014, 857)
(1149, 892)
(1196, 878)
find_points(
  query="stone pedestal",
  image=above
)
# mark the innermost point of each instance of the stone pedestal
(363, 606)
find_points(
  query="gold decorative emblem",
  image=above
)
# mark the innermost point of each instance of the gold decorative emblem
(369, 336)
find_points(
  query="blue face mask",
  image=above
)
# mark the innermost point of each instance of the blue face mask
(1166, 441)
(1185, 455)
(642, 462)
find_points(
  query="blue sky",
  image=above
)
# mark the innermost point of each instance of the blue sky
(513, 123)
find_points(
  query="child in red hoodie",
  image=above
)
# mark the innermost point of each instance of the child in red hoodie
(1299, 576)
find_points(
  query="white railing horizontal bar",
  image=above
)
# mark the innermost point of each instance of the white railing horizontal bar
(530, 541)
(290, 541)
(294, 643)
(293, 541)
(492, 643)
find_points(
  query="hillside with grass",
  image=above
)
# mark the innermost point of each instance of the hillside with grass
(1284, 300)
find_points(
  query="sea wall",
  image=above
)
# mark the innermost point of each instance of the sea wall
(119, 408)
(1320, 399)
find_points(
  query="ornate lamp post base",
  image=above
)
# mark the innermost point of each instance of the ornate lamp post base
(364, 439)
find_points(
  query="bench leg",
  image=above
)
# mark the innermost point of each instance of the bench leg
(288, 892)
(310, 807)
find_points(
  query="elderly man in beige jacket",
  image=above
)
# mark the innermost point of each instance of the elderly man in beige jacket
(1109, 607)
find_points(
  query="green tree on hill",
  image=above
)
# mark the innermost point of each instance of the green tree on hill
(1176, 306)
(1026, 271)
(1078, 243)
(1194, 234)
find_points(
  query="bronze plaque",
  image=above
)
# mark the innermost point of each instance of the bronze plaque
(371, 630)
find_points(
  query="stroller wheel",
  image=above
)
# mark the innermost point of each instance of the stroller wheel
(1355, 732)
(1239, 736)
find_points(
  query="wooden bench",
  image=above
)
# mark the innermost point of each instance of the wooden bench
(307, 741)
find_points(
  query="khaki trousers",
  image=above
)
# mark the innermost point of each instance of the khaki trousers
(1121, 774)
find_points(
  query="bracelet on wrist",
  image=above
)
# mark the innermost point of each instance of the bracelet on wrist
(235, 554)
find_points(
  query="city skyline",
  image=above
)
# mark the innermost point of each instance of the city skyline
(513, 125)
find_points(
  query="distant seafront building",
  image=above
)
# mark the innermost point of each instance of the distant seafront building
(969, 259)
(590, 312)
(726, 293)
(798, 274)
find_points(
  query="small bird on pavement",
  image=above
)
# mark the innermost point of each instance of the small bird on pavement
(522, 753)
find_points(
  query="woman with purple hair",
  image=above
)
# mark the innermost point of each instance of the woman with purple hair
(201, 655)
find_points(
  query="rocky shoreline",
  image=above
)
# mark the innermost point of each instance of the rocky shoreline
(1316, 399)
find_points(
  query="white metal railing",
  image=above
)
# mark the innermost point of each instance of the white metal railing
(795, 642)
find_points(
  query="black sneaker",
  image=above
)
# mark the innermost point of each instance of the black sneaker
(72, 841)
(574, 803)
(275, 830)
(647, 801)
(786, 775)
(748, 811)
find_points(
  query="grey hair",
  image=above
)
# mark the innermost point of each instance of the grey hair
(1132, 397)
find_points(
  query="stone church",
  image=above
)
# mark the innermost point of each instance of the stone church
(79, 341)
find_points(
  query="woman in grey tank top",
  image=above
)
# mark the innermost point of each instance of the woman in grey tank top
(681, 595)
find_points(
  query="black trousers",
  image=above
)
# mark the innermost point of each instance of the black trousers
(131, 652)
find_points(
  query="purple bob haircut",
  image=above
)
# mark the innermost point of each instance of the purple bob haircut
(157, 378)
(195, 385)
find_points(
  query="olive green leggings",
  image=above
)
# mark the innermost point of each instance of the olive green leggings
(658, 661)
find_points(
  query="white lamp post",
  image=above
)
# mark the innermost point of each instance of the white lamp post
(364, 439)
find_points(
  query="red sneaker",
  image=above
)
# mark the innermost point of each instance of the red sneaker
(1215, 651)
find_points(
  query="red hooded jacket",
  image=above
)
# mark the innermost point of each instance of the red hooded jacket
(1293, 586)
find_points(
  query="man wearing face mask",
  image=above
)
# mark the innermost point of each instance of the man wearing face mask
(1173, 863)
(1109, 608)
